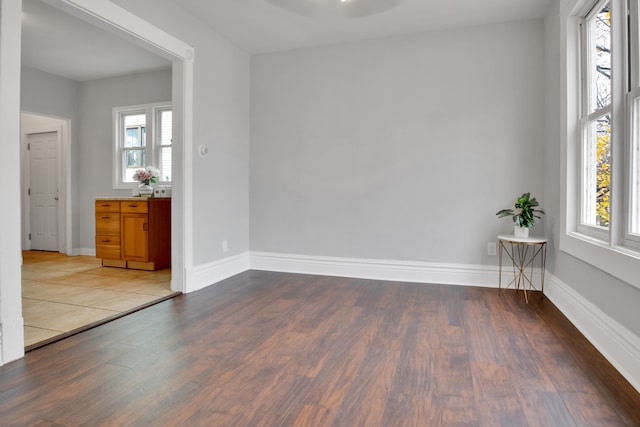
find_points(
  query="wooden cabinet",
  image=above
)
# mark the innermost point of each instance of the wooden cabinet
(134, 233)
(108, 229)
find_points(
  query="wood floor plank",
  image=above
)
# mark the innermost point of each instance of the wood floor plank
(309, 415)
(495, 395)
(61, 391)
(415, 372)
(604, 379)
(367, 395)
(278, 349)
(191, 404)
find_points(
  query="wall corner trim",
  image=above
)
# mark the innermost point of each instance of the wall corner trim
(213, 272)
(615, 342)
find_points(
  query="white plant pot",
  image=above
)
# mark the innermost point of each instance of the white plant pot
(521, 232)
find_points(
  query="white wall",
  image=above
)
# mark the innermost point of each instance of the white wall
(45, 93)
(398, 149)
(96, 101)
(221, 122)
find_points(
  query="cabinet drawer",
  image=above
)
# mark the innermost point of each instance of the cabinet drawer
(107, 223)
(133, 207)
(108, 247)
(107, 206)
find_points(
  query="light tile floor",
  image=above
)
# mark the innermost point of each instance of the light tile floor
(62, 293)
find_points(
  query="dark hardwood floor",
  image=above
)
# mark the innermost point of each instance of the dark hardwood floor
(274, 349)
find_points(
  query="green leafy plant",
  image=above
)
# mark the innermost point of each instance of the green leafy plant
(525, 212)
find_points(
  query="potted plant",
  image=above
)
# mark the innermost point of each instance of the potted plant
(524, 214)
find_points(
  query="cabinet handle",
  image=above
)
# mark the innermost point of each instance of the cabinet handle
(106, 241)
(144, 226)
(105, 217)
(133, 206)
(105, 206)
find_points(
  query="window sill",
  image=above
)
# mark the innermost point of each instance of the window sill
(133, 185)
(126, 186)
(620, 262)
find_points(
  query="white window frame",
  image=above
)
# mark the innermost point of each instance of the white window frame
(612, 252)
(157, 140)
(633, 116)
(631, 240)
(152, 112)
(589, 116)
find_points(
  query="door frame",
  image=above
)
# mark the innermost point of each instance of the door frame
(43, 124)
(112, 17)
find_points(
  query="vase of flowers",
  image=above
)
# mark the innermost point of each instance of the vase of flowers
(146, 177)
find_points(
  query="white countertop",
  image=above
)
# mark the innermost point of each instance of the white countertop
(530, 240)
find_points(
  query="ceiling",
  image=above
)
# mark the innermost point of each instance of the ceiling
(58, 43)
(260, 26)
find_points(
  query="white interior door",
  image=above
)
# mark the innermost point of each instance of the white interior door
(43, 183)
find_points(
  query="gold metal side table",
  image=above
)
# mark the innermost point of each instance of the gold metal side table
(523, 252)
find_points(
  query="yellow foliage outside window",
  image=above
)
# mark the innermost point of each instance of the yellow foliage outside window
(603, 177)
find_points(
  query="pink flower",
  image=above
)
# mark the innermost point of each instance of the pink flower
(146, 176)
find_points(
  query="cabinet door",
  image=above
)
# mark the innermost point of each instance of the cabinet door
(107, 223)
(108, 246)
(135, 237)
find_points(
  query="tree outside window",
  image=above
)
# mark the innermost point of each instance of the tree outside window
(596, 178)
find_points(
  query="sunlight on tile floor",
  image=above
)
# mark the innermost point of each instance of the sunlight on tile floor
(62, 293)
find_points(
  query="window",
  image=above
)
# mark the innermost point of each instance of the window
(135, 145)
(634, 220)
(601, 202)
(165, 143)
(142, 138)
(632, 236)
(596, 121)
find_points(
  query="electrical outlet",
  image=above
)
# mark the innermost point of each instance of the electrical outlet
(491, 248)
(225, 246)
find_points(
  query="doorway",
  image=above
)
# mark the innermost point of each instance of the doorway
(116, 19)
(44, 165)
(62, 294)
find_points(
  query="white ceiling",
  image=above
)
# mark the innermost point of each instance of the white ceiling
(60, 44)
(260, 26)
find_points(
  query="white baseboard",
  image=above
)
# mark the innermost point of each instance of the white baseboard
(83, 251)
(207, 274)
(203, 275)
(11, 332)
(403, 271)
(616, 343)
